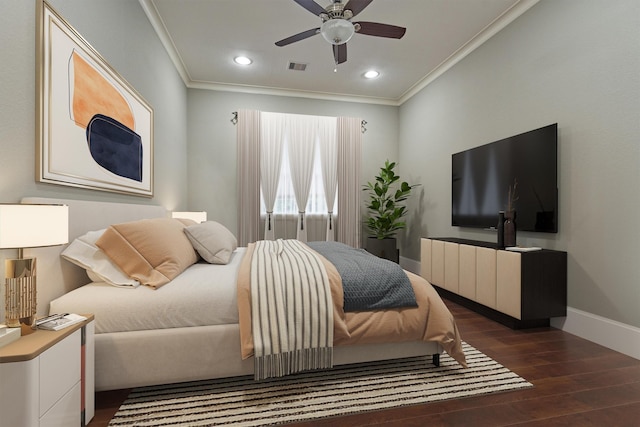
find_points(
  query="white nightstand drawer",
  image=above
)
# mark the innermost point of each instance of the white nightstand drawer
(59, 371)
(65, 412)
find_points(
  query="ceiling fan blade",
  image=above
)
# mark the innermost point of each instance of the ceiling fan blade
(340, 53)
(297, 37)
(356, 6)
(311, 6)
(381, 30)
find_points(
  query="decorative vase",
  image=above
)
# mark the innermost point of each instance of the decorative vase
(500, 228)
(510, 228)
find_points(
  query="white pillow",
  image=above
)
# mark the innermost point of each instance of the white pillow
(213, 241)
(84, 253)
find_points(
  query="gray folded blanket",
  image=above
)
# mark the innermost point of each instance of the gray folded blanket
(369, 282)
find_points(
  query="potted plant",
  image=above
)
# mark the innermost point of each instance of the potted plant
(386, 211)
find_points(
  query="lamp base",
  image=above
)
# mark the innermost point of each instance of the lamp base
(27, 325)
(20, 294)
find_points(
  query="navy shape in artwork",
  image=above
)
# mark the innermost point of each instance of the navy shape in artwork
(115, 147)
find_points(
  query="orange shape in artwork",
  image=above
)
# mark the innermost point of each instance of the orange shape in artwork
(93, 94)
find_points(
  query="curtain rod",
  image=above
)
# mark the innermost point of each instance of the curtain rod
(234, 120)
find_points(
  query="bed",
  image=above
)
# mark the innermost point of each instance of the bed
(183, 338)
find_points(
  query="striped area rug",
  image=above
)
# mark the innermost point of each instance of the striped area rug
(342, 390)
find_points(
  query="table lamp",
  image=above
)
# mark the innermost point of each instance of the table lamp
(27, 226)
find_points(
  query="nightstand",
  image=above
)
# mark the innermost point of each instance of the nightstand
(47, 378)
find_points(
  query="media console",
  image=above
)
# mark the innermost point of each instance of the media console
(517, 289)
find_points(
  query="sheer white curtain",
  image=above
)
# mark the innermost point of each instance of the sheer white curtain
(272, 134)
(302, 132)
(349, 141)
(248, 176)
(329, 155)
(301, 155)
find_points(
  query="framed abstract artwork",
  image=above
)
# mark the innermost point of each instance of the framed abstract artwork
(93, 129)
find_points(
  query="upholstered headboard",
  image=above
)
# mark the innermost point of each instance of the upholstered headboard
(55, 275)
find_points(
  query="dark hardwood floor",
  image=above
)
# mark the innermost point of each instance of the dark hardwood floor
(576, 383)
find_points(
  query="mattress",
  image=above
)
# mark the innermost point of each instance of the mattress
(204, 294)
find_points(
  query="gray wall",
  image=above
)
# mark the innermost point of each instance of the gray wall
(212, 141)
(121, 33)
(574, 62)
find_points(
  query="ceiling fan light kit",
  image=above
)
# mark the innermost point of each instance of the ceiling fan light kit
(337, 27)
(337, 31)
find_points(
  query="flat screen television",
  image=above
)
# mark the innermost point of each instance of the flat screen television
(481, 178)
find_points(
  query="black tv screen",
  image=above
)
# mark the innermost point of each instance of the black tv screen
(481, 178)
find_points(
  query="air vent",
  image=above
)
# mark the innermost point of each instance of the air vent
(297, 66)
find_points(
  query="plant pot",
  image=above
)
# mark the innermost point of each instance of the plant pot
(383, 248)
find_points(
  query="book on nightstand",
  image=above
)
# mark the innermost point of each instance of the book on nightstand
(8, 335)
(61, 322)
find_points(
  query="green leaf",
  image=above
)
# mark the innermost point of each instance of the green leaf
(385, 206)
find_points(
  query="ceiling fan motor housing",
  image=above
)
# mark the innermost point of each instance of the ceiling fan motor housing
(336, 11)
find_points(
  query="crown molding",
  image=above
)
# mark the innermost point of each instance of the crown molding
(161, 30)
(485, 34)
(262, 90)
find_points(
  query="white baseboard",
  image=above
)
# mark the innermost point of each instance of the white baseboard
(410, 265)
(600, 330)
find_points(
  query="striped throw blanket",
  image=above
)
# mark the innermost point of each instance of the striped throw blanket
(292, 309)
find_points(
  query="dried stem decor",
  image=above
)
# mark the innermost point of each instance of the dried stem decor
(512, 196)
(510, 216)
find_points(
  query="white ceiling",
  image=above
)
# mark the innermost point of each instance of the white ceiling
(203, 37)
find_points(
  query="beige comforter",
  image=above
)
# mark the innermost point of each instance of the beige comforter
(430, 321)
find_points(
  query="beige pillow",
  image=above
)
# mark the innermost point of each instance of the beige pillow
(213, 241)
(152, 251)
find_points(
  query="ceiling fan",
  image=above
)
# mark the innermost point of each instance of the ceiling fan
(337, 27)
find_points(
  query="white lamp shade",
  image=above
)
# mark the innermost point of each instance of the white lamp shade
(30, 226)
(196, 216)
(337, 31)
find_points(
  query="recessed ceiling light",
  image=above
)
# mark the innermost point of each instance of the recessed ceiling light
(371, 74)
(242, 60)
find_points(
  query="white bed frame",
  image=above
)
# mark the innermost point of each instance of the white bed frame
(140, 358)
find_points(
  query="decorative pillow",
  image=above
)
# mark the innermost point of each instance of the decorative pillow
(152, 251)
(84, 253)
(213, 241)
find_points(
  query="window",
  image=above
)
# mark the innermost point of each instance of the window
(285, 203)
